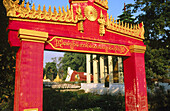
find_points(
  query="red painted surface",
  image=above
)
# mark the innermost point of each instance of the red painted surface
(135, 83)
(29, 76)
(29, 61)
(81, 76)
(78, 45)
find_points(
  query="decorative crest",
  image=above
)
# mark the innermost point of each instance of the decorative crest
(15, 10)
(129, 29)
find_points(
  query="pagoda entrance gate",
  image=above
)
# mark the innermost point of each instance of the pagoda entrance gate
(85, 27)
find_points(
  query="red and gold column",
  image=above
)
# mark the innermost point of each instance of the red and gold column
(29, 71)
(135, 80)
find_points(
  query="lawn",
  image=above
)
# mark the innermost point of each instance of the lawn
(55, 100)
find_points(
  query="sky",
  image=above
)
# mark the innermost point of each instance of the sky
(115, 9)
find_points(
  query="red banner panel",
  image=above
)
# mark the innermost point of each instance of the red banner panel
(85, 46)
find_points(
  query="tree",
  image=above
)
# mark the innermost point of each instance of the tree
(126, 16)
(59, 67)
(155, 16)
(74, 60)
(7, 64)
(51, 70)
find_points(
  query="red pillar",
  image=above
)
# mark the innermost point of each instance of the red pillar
(29, 71)
(135, 80)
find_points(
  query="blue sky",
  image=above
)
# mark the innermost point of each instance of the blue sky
(115, 9)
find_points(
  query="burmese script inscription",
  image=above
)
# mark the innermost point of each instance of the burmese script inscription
(86, 46)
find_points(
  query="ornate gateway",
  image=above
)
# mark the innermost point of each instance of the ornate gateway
(84, 27)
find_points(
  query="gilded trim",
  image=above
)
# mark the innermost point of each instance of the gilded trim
(136, 30)
(100, 6)
(38, 21)
(79, 1)
(133, 37)
(15, 10)
(34, 109)
(137, 49)
(90, 13)
(82, 40)
(94, 52)
(32, 35)
(103, 3)
(32, 40)
(86, 51)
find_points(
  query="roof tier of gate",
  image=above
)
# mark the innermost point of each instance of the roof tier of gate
(86, 24)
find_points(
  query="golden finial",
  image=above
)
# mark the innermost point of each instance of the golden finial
(33, 7)
(49, 10)
(125, 24)
(131, 26)
(44, 10)
(68, 9)
(116, 23)
(23, 3)
(81, 19)
(27, 6)
(59, 10)
(111, 18)
(128, 26)
(55, 11)
(134, 26)
(39, 8)
(102, 24)
(101, 14)
(63, 10)
(122, 24)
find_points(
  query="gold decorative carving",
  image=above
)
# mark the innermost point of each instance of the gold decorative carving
(79, 1)
(33, 36)
(15, 10)
(136, 30)
(102, 23)
(137, 49)
(103, 3)
(81, 19)
(91, 13)
(34, 109)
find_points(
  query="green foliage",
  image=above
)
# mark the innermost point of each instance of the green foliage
(50, 70)
(157, 62)
(81, 101)
(159, 100)
(126, 17)
(74, 60)
(7, 64)
(155, 15)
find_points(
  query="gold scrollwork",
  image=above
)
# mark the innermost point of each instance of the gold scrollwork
(91, 13)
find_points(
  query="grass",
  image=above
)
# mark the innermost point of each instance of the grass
(80, 101)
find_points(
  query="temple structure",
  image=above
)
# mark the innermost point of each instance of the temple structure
(85, 27)
(103, 66)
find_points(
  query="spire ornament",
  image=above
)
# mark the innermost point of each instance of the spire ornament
(81, 19)
(102, 24)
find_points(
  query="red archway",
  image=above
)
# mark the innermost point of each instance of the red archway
(86, 28)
